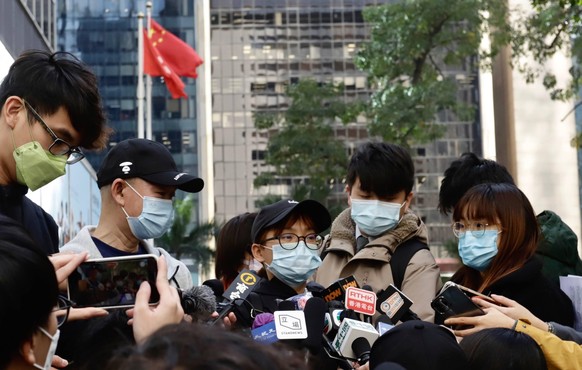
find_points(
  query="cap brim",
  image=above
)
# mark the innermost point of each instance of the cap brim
(321, 216)
(182, 181)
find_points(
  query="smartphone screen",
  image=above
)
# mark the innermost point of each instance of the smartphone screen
(112, 282)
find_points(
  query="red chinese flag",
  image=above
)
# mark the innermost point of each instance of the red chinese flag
(168, 56)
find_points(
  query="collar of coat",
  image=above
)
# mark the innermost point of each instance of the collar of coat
(343, 231)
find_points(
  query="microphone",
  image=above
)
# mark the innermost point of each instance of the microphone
(286, 306)
(216, 286)
(263, 328)
(315, 310)
(395, 304)
(336, 291)
(348, 332)
(198, 302)
(383, 324)
(361, 348)
(367, 318)
(240, 288)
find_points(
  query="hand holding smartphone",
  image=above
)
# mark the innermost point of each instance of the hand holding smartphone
(453, 302)
(113, 282)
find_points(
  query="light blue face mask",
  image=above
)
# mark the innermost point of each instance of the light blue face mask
(157, 216)
(295, 266)
(478, 252)
(375, 217)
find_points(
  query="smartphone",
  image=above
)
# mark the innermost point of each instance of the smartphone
(473, 293)
(453, 302)
(113, 282)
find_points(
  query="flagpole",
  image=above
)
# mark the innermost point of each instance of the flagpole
(148, 80)
(140, 91)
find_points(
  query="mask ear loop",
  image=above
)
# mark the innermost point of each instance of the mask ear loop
(29, 132)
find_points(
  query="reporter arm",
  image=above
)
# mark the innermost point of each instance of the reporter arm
(567, 333)
(559, 354)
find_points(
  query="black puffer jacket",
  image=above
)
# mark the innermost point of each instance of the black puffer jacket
(39, 224)
(532, 290)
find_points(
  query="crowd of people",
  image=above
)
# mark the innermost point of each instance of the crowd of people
(511, 259)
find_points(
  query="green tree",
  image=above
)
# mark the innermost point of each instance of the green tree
(413, 41)
(411, 44)
(302, 145)
(555, 25)
(184, 239)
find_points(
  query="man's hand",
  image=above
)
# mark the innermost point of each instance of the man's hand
(147, 319)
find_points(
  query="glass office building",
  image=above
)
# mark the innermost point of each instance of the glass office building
(261, 46)
(104, 35)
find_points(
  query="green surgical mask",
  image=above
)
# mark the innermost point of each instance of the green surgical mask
(36, 167)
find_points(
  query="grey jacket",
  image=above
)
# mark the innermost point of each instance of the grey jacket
(177, 270)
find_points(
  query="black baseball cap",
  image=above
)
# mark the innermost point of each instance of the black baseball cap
(148, 160)
(276, 212)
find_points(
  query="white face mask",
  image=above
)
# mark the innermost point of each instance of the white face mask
(375, 217)
(51, 351)
(157, 217)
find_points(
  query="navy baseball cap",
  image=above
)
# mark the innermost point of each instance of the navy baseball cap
(276, 212)
(148, 160)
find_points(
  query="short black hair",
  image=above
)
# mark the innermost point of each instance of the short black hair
(464, 173)
(234, 239)
(513, 350)
(49, 81)
(194, 346)
(382, 168)
(28, 287)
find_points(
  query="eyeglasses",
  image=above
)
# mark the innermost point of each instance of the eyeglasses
(477, 229)
(313, 241)
(59, 146)
(62, 309)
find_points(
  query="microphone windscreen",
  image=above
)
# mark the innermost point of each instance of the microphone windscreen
(315, 310)
(199, 302)
(361, 346)
(262, 319)
(216, 286)
(286, 306)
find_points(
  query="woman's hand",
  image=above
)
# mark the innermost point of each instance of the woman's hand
(493, 318)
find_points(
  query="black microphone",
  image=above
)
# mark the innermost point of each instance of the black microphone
(198, 302)
(337, 290)
(395, 304)
(315, 310)
(237, 292)
(286, 306)
(216, 286)
(367, 318)
(361, 348)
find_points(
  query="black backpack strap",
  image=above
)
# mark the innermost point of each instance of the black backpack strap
(402, 256)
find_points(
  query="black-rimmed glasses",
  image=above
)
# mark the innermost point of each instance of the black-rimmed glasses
(62, 309)
(313, 241)
(59, 146)
(477, 229)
